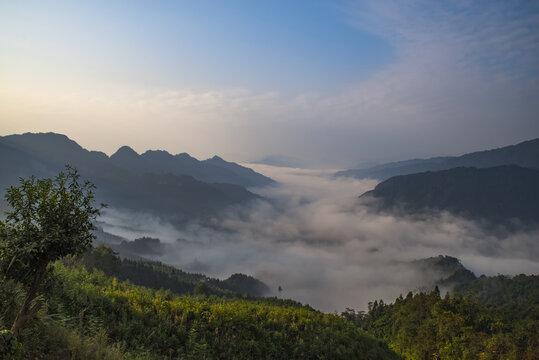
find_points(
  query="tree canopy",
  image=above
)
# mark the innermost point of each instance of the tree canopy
(49, 219)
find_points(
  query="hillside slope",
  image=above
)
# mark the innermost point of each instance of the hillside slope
(525, 154)
(498, 194)
(93, 316)
(491, 318)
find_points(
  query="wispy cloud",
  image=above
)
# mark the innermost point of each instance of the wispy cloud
(494, 37)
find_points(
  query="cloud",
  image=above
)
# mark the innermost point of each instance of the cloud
(313, 237)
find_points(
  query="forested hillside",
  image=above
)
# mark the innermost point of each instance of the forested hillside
(157, 275)
(490, 318)
(89, 315)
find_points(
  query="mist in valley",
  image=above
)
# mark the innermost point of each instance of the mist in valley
(312, 236)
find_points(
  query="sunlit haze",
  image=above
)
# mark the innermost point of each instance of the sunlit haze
(330, 83)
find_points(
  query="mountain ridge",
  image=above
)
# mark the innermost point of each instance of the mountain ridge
(59, 147)
(497, 194)
(154, 188)
(524, 154)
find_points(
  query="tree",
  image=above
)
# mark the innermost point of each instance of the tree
(50, 218)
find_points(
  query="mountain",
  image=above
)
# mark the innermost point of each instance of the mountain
(525, 154)
(57, 148)
(498, 194)
(152, 188)
(214, 170)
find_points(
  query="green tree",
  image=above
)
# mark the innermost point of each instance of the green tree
(50, 218)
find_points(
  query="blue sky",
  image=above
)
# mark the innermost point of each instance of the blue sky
(333, 83)
(296, 46)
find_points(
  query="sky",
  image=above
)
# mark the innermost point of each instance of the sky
(330, 83)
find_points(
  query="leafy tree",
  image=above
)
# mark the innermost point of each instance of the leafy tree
(50, 218)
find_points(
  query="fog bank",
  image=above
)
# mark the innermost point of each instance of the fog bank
(313, 237)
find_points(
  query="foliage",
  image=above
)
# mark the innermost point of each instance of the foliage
(9, 346)
(90, 310)
(50, 218)
(497, 319)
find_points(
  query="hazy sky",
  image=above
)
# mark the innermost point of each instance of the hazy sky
(333, 83)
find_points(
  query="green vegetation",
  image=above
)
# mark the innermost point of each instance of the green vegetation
(91, 313)
(50, 218)
(498, 318)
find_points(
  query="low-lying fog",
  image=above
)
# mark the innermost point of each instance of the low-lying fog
(315, 240)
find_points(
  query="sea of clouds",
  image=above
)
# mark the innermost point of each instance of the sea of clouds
(314, 237)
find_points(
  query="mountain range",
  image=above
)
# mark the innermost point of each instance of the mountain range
(524, 154)
(178, 186)
(214, 170)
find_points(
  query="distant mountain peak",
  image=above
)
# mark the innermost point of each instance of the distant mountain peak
(49, 136)
(125, 151)
(157, 153)
(217, 158)
(52, 143)
(185, 156)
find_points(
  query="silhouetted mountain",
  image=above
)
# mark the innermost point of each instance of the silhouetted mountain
(498, 194)
(153, 189)
(214, 170)
(525, 154)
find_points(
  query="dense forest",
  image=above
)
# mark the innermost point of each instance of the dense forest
(483, 318)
